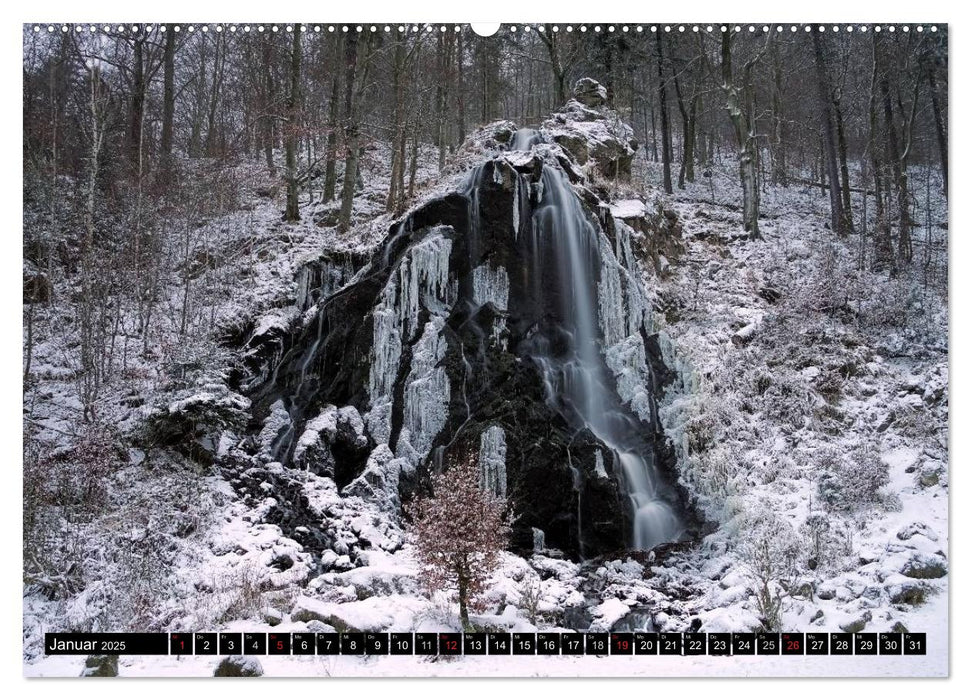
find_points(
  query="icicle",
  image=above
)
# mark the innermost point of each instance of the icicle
(492, 460)
(598, 466)
(386, 349)
(628, 362)
(426, 394)
(515, 208)
(420, 280)
(613, 310)
(490, 285)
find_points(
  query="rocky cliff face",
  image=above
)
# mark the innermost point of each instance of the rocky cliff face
(505, 318)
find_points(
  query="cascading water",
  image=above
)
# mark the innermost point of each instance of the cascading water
(435, 345)
(570, 357)
(525, 139)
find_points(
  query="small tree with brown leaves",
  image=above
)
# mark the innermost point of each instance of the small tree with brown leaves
(460, 531)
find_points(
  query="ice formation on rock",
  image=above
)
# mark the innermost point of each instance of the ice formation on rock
(426, 390)
(492, 460)
(420, 280)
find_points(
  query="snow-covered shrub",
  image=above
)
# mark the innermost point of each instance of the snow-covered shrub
(64, 492)
(530, 598)
(850, 481)
(831, 277)
(914, 419)
(770, 551)
(717, 471)
(75, 478)
(788, 400)
(827, 547)
(240, 592)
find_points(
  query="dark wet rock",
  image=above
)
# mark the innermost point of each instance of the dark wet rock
(378, 483)
(577, 617)
(886, 422)
(317, 279)
(826, 591)
(574, 144)
(334, 444)
(319, 627)
(290, 509)
(594, 135)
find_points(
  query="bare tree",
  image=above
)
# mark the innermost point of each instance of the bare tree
(333, 126)
(91, 326)
(825, 95)
(269, 102)
(351, 132)
(662, 99)
(293, 130)
(740, 103)
(168, 101)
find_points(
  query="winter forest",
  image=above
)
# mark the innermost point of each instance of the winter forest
(399, 328)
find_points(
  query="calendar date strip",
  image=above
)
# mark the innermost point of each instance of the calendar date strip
(488, 643)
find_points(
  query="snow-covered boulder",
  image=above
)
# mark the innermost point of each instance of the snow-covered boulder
(591, 132)
(333, 433)
(916, 528)
(378, 483)
(100, 665)
(238, 667)
(590, 93)
(925, 566)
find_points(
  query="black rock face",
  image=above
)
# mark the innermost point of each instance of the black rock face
(501, 336)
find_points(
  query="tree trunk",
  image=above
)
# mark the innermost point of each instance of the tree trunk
(844, 169)
(688, 121)
(739, 109)
(825, 95)
(398, 128)
(90, 346)
(940, 128)
(350, 133)
(899, 173)
(442, 61)
(212, 144)
(463, 585)
(269, 99)
(333, 122)
(137, 106)
(557, 73)
(168, 100)
(691, 138)
(460, 78)
(665, 127)
(779, 173)
(293, 130)
(413, 171)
